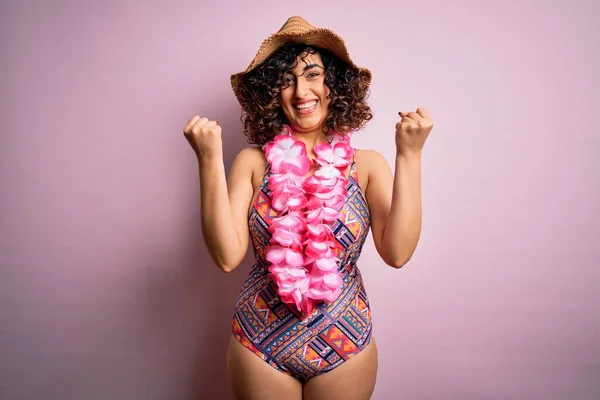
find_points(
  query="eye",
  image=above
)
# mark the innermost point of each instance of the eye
(313, 74)
(288, 79)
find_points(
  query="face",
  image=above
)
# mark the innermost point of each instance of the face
(304, 101)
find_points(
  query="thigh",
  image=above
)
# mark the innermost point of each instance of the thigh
(252, 378)
(353, 380)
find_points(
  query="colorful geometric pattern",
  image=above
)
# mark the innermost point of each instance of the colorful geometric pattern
(331, 334)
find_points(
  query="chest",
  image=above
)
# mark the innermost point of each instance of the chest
(259, 177)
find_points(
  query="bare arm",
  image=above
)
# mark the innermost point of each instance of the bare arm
(395, 206)
(395, 203)
(224, 208)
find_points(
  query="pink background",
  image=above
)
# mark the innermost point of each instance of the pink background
(106, 289)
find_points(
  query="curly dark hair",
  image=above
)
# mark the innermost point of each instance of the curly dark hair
(260, 94)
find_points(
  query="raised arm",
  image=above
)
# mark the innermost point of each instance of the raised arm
(224, 202)
(395, 200)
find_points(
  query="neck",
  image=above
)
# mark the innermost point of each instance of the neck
(310, 138)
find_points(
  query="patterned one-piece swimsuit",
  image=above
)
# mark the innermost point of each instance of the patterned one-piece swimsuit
(304, 347)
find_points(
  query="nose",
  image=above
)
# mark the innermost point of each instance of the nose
(301, 88)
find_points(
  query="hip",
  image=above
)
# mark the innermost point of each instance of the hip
(260, 308)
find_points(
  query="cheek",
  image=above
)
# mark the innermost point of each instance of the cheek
(326, 92)
(326, 99)
(284, 97)
(285, 101)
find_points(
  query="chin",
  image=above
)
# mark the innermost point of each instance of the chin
(311, 125)
(306, 128)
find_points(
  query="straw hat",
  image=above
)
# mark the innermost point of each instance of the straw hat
(298, 30)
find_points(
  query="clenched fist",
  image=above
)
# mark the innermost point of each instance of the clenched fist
(204, 136)
(412, 131)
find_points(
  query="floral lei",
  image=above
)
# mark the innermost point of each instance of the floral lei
(301, 257)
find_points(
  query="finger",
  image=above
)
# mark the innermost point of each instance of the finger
(191, 123)
(415, 116)
(199, 124)
(423, 113)
(409, 126)
(210, 124)
(406, 124)
(412, 115)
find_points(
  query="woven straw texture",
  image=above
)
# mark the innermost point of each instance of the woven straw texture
(298, 30)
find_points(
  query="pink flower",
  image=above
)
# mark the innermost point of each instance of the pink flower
(279, 255)
(324, 294)
(293, 290)
(339, 155)
(287, 238)
(335, 198)
(286, 154)
(319, 232)
(293, 221)
(327, 171)
(335, 203)
(288, 274)
(308, 305)
(315, 185)
(325, 286)
(303, 249)
(338, 190)
(286, 197)
(332, 280)
(322, 214)
(316, 249)
(326, 264)
(287, 178)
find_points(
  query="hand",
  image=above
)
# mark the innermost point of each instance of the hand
(204, 136)
(412, 131)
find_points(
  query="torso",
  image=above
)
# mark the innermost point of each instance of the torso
(258, 167)
(305, 345)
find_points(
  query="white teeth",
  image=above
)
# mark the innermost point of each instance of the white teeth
(306, 105)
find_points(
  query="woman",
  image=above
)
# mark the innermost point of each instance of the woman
(306, 199)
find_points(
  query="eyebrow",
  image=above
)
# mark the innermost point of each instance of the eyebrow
(312, 66)
(306, 68)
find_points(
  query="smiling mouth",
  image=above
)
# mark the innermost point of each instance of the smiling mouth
(306, 108)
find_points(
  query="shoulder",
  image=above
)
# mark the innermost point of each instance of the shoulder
(253, 153)
(370, 166)
(250, 158)
(370, 160)
(250, 162)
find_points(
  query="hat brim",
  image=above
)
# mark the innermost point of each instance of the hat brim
(320, 37)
